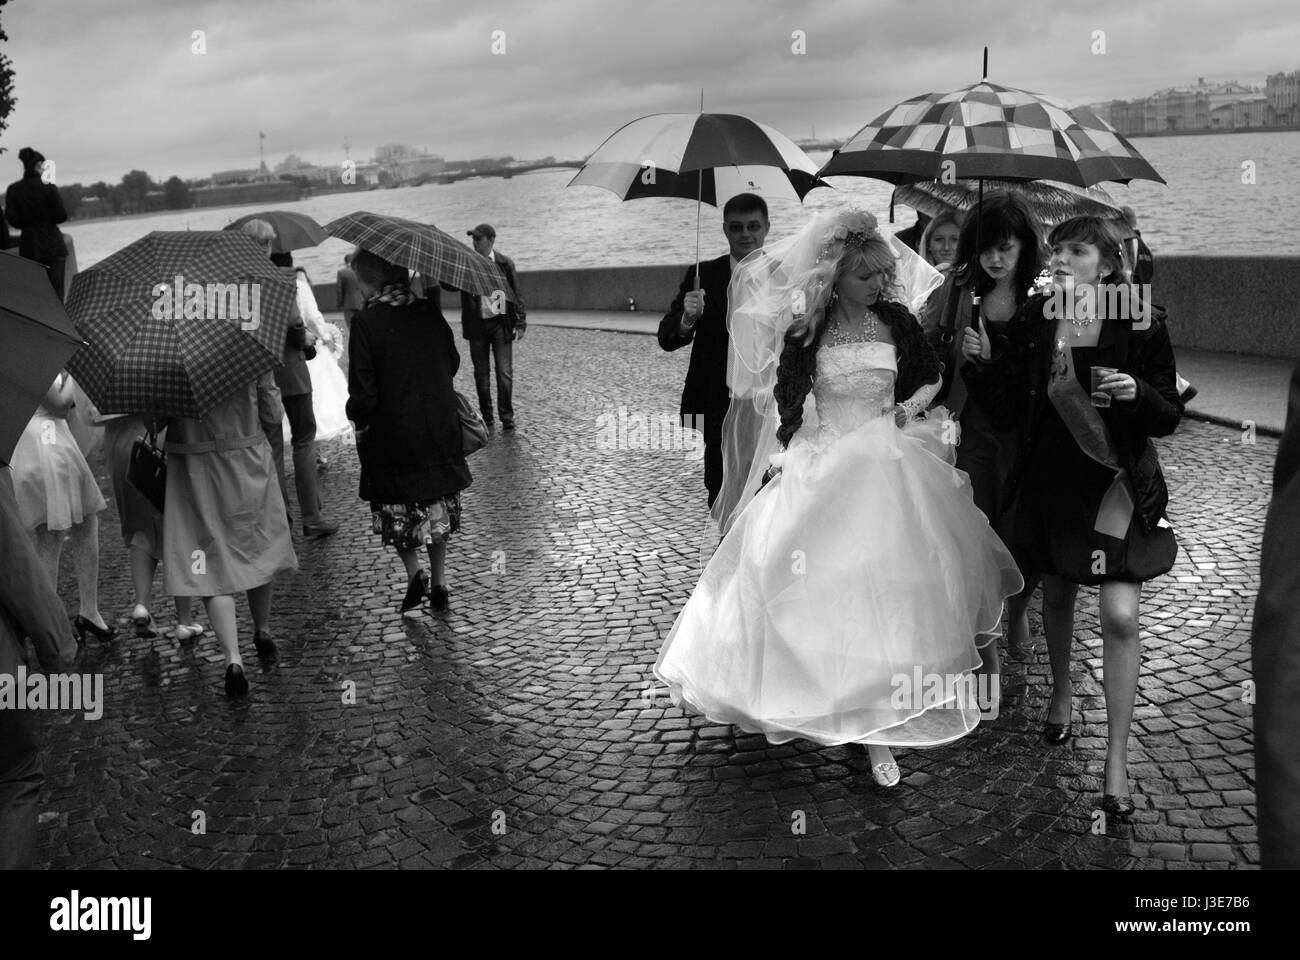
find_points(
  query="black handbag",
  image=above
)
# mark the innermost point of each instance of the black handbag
(147, 471)
(941, 339)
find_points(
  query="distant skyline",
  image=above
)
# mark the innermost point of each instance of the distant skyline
(106, 88)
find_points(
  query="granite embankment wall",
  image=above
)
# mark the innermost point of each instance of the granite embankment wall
(1248, 304)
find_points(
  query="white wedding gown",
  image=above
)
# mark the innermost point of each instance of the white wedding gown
(329, 391)
(864, 561)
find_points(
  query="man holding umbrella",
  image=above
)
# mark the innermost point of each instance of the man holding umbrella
(699, 314)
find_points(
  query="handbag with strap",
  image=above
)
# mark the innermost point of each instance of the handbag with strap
(147, 470)
(473, 431)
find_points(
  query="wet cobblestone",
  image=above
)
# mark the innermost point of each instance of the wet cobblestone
(523, 728)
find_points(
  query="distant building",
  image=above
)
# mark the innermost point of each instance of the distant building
(224, 177)
(1215, 105)
(1283, 93)
(275, 191)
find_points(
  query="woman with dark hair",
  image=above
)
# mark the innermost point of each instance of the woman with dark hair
(1001, 272)
(401, 361)
(847, 599)
(36, 208)
(1086, 493)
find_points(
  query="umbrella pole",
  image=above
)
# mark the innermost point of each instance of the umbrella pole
(979, 249)
(699, 205)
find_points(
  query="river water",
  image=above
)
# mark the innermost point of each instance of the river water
(1205, 209)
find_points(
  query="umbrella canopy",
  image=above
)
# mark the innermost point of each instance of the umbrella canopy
(989, 131)
(38, 339)
(293, 231)
(1051, 203)
(425, 248)
(664, 155)
(177, 321)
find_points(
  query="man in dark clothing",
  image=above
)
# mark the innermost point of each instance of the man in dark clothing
(1275, 657)
(700, 316)
(29, 607)
(36, 208)
(491, 327)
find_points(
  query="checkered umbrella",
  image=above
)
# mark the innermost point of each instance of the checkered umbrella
(992, 132)
(177, 321)
(422, 247)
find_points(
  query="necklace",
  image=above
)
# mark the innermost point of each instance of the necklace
(841, 333)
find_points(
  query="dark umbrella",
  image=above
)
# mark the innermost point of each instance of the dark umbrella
(38, 340)
(293, 231)
(424, 248)
(1051, 203)
(177, 321)
(987, 131)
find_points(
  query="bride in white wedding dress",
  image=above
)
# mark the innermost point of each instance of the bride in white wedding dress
(847, 598)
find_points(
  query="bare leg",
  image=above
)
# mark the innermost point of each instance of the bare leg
(1121, 660)
(221, 614)
(259, 601)
(83, 542)
(1058, 624)
(49, 546)
(143, 568)
(1019, 642)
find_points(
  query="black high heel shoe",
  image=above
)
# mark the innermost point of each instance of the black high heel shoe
(84, 626)
(266, 648)
(236, 682)
(1121, 808)
(416, 590)
(438, 597)
(1056, 734)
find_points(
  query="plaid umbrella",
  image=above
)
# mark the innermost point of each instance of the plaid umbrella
(1051, 203)
(993, 132)
(425, 248)
(38, 339)
(293, 231)
(177, 321)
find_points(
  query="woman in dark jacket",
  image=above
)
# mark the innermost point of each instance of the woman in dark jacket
(36, 208)
(402, 357)
(999, 254)
(1086, 489)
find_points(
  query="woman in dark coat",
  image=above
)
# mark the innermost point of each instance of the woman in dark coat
(36, 208)
(402, 357)
(1086, 491)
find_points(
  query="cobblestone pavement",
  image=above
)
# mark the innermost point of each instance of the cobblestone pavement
(522, 728)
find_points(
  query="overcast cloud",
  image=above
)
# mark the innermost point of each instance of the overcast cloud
(107, 87)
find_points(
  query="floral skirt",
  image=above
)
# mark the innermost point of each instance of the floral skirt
(409, 526)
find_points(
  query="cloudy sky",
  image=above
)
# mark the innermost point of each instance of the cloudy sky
(104, 87)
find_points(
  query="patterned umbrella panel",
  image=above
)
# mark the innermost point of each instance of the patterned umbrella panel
(177, 321)
(993, 132)
(422, 247)
(1051, 203)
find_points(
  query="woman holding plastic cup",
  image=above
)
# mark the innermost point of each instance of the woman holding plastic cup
(1086, 491)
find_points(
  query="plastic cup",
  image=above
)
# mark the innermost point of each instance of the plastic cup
(1100, 398)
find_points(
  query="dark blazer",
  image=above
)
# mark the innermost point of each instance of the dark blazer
(401, 361)
(472, 325)
(36, 207)
(706, 390)
(1275, 656)
(1013, 389)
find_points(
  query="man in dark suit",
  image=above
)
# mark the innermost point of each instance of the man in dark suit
(1275, 657)
(491, 327)
(700, 316)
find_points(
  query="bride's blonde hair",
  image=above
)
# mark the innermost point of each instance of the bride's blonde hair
(853, 242)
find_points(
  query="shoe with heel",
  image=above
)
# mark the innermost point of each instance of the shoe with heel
(84, 626)
(236, 682)
(143, 621)
(266, 647)
(417, 588)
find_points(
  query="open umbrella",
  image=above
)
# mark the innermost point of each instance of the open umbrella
(422, 247)
(706, 157)
(293, 231)
(177, 321)
(987, 131)
(38, 339)
(1051, 203)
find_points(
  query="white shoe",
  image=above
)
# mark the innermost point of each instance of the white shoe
(185, 633)
(887, 774)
